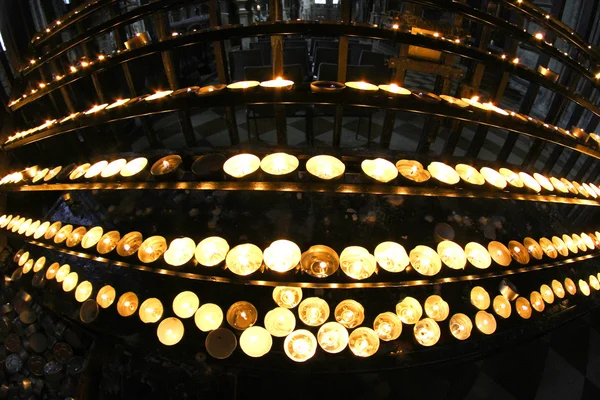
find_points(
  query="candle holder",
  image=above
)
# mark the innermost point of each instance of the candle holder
(211, 251)
(570, 244)
(135, 170)
(320, 261)
(280, 166)
(183, 92)
(548, 248)
(89, 312)
(576, 239)
(379, 170)
(362, 87)
(530, 182)
(117, 103)
(581, 189)
(210, 90)
(499, 253)
(594, 283)
(553, 76)
(53, 173)
(508, 290)
(452, 254)
(94, 171)
(63, 234)
(113, 168)
(313, 311)
(543, 181)
(579, 133)
(180, 251)
(443, 173)
(518, 252)
(91, 237)
(363, 342)
(584, 288)
(388, 326)
(537, 301)
(300, 345)
(391, 256)
(76, 236)
(170, 331)
(63, 174)
(560, 246)
(287, 296)
(478, 255)
(185, 304)
(220, 343)
(559, 186)
(333, 337)
(280, 322)
(501, 306)
(493, 177)
(587, 240)
(241, 315)
(108, 242)
(349, 313)
(152, 248)
(28, 266)
(36, 224)
(469, 174)
(158, 95)
(480, 298)
(572, 189)
(523, 308)
(324, 167)
(106, 296)
(70, 282)
(24, 226)
(357, 262)
(83, 291)
(425, 260)
(39, 264)
(52, 271)
(243, 167)
(570, 286)
(453, 101)
(243, 85)
(475, 105)
(443, 231)
(244, 259)
(409, 310)
(39, 281)
(208, 317)
(436, 308)
(277, 84)
(413, 171)
(460, 326)
(209, 167)
(427, 332)
(282, 256)
(533, 248)
(589, 190)
(139, 40)
(326, 87)
(547, 294)
(256, 341)
(79, 172)
(558, 289)
(167, 168)
(394, 90)
(485, 322)
(129, 244)
(430, 98)
(127, 304)
(62, 273)
(40, 175)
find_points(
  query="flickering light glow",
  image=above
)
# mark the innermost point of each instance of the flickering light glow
(106, 296)
(256, 341)
(537, 301)
(241, 165)
(170, 331)
(485, 322)
(151, 310)
(333, 337)
(180, 251)
(84, 291)
(279, 164)
(282, 256)
(502, 306)
(320, 261)
(127, 304)
(388, 326)
(380, 170)
(349, 313)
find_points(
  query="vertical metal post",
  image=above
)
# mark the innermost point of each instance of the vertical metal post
(170, 70)
(91, 57)
(276, 14)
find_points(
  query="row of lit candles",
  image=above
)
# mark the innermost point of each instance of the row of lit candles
(300, 345)
(319, 261)
(322, 166)
(56, 24)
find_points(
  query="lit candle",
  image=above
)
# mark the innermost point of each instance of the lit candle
(570, 286)
(427, 332)
(357, 262)
(436, 308)
(533, 248)
(499, 253)
(106, 296)
(325, 167)
(158, 95)
(485, 322)
(180, 251)
(493, 177)
(584, 288)
(243, 85)
(134, 167)
(581, 189)
(127, 304)
(277, 83)
(129, 244)
(454, 101)
(544, 182)
(96, 108)
(280, 322)
(83, 291)
(282, 256)
(587, 241)
(474, 102)
(211, 251)
(79, 171)
(579, 242)
(413, 170)
(300, 345)
(117, 103)
(151, 311)
(443, 173)
(210, 90)
(185, 304)
(39, 264)
(108, 242)
(170, 331)
(547, 294)
(244, 259)
(208, 317)
(425, 260)
(530, 182)
(52, 173)
(241, 165)
(279, 164)
(480, 298)
(560, 246)
(558, 185)
(70, 281)
(594, 283)
(388, 326)
(63, 233)
(363, 342)
(478, 255)
(395, 90)
(313, 311)
(460, 326)
(166, 165)
(28, 266)
(320, 261)
(152, 248)
(391, 256)
(286, 296)
(349, 313)
(242, 315)
(501, 306)
(452, 254)
(589, 190)
(409, 310)
(52, 271)
(333, 337)
(518, 252)
(256, 341)
(379, 169)
(362, 86)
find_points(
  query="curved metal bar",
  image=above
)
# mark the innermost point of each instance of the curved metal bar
(303, 96)
(293, 27)
(315, 187)
(72, 17)
(317, 285)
